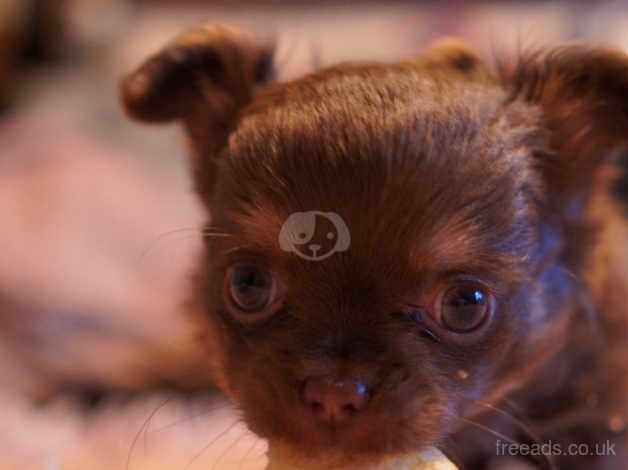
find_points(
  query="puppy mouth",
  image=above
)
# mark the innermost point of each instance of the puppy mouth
(385, 427)
(361, 437)
(357, 442)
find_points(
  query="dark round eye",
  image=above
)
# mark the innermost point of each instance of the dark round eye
(465, 308)
(250, 288)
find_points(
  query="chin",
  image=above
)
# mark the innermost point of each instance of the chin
(364, 438)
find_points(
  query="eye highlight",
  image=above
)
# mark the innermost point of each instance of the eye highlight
(250, 291)
(464, 308)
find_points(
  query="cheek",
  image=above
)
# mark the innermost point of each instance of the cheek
(535, 327)
(502, 361)
(264, 387)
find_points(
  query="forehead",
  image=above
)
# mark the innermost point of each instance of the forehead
(415, 162)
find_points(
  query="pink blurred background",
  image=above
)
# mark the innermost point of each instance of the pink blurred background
(98, 222)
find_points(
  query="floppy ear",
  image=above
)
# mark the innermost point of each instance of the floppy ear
(583, 96)
(202, 79)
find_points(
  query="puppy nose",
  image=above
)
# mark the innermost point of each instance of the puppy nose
(314, 247)
(335, 400)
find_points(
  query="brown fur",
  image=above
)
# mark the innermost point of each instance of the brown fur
(440, 167)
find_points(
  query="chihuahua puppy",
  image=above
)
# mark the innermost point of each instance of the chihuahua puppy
(474, 294)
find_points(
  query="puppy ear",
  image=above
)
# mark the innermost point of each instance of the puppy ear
(583, 96)
(452, 55)
(203, 78)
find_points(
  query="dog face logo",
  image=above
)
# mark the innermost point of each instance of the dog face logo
(314, 235)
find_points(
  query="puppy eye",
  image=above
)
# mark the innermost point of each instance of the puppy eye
(464, 308)
(250, 290)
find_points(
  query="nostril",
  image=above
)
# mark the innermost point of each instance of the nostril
(335, 400)
(317, 407)
(349, 409)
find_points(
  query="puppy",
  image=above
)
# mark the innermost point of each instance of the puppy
(477, 297)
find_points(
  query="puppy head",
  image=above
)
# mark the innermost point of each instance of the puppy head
(450, 192)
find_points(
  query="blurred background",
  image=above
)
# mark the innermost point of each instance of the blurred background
(98, 225)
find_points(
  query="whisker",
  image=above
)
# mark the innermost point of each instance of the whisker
(490, 431)
(227, 449)
(212, 442)
(262, 451)
(236, 248)
(150, 248)
(512, 404)
(523, 426)
(190, 417)
(154, 241)
(139, 432)
(215, 234)
(214, 230)
(190, 231)
(589, 310)
(548, 458)
(569, 272)
(256, 441)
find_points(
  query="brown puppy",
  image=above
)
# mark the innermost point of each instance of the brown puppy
(479, 273)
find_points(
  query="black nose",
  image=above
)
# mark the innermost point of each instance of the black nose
(335, 400)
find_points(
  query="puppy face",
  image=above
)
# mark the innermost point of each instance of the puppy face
(414, 313)
(443, 260)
